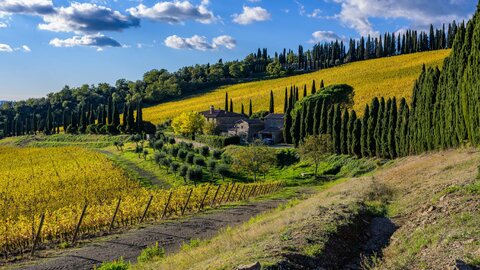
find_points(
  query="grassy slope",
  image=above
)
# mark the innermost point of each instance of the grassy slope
(62, 140)
(427, 239)
(393, 76)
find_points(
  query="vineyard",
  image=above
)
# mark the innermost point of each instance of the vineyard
(388, 77)
(59, 195)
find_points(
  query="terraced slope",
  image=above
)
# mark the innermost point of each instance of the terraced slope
(393, 76)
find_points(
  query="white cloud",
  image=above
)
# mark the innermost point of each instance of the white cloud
(251, 15)
(200, 43)
(315, 14)
(3, 25)
(325, 36)
(97, 41)
(5, 48)
(356, 14)
(87, 18)
(177, 12)
(25, 48)
(38, 7)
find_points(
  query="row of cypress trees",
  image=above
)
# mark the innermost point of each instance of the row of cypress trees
(86, 119)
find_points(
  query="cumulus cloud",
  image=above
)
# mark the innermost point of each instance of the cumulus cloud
(5, 48)
(325, 36)
(39, 7)
(356, 14)
(176, 12)
(98, 41)
(25, 48)
(87, 18)
(200, 43)
(251, 15)
(3, 25)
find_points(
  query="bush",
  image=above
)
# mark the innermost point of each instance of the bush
(195, 174)
(259, 115)
(174, 167)
(149, 128)
(171, 140)
(182, 154)
(200, 161)
(158, 145)
(150, 253)
(217, 154)
(190, 157)
(174, 151)
(218, 141)
(223, 170)
(204, 151)
(287, 157)
(182, 171)
(159, 157)
(115, 265)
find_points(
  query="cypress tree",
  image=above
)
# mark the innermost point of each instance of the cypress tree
(295, 129)
(371, 126)
(379, 128)
(364, 146)
(350, 127)
(336, 128)
(322, 85)
(356, 134)
(304, 90)
(243, 110)
(314, 89)
(116, 115)
(139, 123)
(48, 126)
(110, 111)
(226, 101)
(130, 119)
(391, 129)
(231, 105)
(285, 103)
(317, 116)
(330, 115)
(272, 103)
(124, 116)
(385, 131)
(250, 109)
(344, 132)
(287, 129)
(309, 120)
(324, 117)
(303, 124)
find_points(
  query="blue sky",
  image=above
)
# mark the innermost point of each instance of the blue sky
(47, 44)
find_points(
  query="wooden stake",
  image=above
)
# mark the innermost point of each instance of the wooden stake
(229, 193)
(146, 209)
(166, 205)
(37, 238)
(114, 215)
(224, 192)
(235, 194)
(79, 224)
(204, 196)
(215, 197)
(186, 203)
(241, 193)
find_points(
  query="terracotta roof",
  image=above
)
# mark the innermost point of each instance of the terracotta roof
(220, 113)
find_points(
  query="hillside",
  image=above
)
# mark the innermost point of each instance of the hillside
(393, 76)
(427, 222)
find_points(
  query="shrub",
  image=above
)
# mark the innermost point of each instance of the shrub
(223, 170)
(171, 141)
(204, 151)
(182, 171)
(158, 145)
(115, 265)
(150, 253)
(174, 151)
(287, 157)
(200, 161)
(218, 141)
(217, 154)
(211, 165)
(174, 167)
(190, 157)
(182, 154)
(195, 174)
(159, 157)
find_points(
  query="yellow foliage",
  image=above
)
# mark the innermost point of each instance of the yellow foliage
(388, 77)
(188, 123)
(58, 182)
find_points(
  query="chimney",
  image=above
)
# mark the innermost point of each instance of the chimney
(212, 109)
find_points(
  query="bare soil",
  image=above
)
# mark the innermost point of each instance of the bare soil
(171, 235)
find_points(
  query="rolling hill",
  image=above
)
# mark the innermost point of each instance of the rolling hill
(393, 76)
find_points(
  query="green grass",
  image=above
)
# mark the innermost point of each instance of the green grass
(389, 77)
(62, 140)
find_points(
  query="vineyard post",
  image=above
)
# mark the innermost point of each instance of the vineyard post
(204, 197)
(241, 193)
(252, 192)
(215, 197)
(146, 209)
(245, 196)
(79, 224)
(37, 237)
(114, 215)
(229, 193)
(186, 203)
(166, 205)
(235, 194)
(224, 192)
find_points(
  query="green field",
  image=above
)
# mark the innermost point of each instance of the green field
(389, 77)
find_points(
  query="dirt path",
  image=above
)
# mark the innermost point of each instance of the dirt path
(170, 235)
(130, 166)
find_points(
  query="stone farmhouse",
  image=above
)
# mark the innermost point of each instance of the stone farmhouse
(235, 124)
